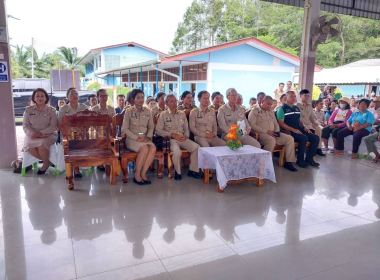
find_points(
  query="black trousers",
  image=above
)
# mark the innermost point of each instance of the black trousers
(302, 140)
(326, 131)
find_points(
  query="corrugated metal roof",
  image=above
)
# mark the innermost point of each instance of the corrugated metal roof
(360, 8)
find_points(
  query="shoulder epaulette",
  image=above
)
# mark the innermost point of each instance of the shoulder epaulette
(129, 109)
(223, 107)
(164, 112)
(180, 112)
(194, 109)
(94, 107)
(154, 107)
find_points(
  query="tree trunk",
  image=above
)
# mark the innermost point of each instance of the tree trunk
(343, 49)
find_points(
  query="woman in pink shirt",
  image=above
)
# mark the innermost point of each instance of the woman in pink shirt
(337, 121)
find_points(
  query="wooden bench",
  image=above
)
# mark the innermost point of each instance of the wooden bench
(126, 155)
(87, 141)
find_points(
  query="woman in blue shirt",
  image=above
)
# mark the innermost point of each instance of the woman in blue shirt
(359, 125)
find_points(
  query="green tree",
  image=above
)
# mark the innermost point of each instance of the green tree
(15, 66)
(23, 60)
(69, 57)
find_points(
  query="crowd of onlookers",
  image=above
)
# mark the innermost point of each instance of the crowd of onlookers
(288, 118)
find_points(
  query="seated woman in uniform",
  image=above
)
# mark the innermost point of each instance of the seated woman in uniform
(71, 108)
(359, 125)
(150, 103)
(138, 126)
(187, 101)
(161, 106)
(40, 126)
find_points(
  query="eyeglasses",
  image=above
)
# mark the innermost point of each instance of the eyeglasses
(103, 96)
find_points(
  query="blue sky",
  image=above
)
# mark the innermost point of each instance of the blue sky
(89, 24)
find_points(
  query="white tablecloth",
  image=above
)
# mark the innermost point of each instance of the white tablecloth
(230, 165)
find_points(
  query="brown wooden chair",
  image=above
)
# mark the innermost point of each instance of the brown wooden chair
(126, 155)
(87, 141)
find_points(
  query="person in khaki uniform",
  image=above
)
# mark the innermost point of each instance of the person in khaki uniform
(160, 107)
(203, 124)
(187, 101)
(40, 126)
(264, 122)
(138, 125)
(102, 107)
(230, 113)
(308, 118)
(70, 109)
(279, 91)
(173, 123)
(217, 100)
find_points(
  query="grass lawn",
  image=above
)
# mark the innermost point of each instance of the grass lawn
(18, 119)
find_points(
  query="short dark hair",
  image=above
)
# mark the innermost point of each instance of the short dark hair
(304, 91)
(149, 99)
(99, 91)
(186, 92)
(214, 94)
(290, 82)
(129, 96)
(158, 95)
(281, 84)
(366, 101)
(282, 96)
(316, 102)
(90, 96)
(330, 102)
(289, 91)
(42, 90)
(251, 99)
(201, 93)
(135, 92)
(120, 95)
(68, 91)
(260, 93)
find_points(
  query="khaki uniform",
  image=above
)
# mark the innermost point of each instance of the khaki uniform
(308, 118)
(157, 110)
(320, 116)
(109, 110)
(67, 110)
(278, 93)
(137, 124)
(176, 122)
(263, 120)
(200, 123)
(228, 117)
(214, 108)
(44, 121)
(183, 108)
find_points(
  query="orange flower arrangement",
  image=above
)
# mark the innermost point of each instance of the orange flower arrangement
(233, 138)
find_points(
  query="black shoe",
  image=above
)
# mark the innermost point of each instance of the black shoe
(320, 153)
(40, 172)
(78, 175)
(193, 174)
(312, 163)
(290, 167)
(177, 176)
(101, 168)
(302, 164)
(141, 183)
(147, 182)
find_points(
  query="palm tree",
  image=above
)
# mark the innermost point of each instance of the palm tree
(23, 59)
(69, 57)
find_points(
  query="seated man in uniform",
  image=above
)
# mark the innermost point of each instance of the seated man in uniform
(103, 108)
(263, 121)
(173, 123)
(240, 101)
(231, 113)
(308, 118)
(203, 123)
(260, 98)
(289, 118)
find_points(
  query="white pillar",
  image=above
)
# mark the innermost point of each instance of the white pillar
(307, 65)
(8, 144)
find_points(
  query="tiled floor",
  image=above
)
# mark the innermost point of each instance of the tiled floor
(315, 224)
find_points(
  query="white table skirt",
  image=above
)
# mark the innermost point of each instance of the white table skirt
(246, 162)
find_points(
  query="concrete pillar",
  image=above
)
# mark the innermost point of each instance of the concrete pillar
(307, 65)
(8, 144)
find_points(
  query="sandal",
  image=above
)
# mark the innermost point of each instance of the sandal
(339, 153)
(354, 156)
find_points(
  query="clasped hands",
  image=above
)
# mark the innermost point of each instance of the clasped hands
(355, 127)
(179, 138)
(38, 134)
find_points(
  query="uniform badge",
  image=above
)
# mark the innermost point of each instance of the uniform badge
(168, 120)
(133, 115)
(199, 116)
(32, 113)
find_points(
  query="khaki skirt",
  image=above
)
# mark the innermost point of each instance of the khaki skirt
(133, 145)
(38, 142)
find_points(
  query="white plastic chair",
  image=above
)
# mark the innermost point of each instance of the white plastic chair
(28, 159)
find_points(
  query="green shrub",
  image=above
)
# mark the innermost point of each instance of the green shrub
(95, 87)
